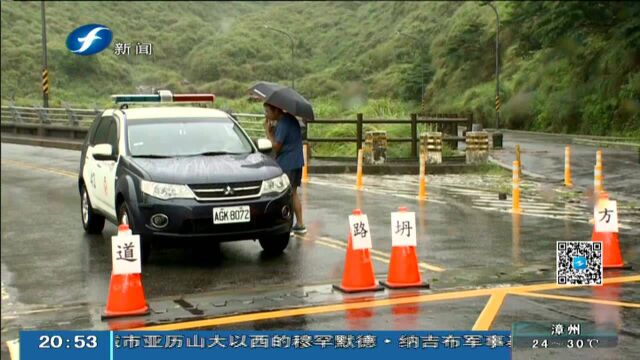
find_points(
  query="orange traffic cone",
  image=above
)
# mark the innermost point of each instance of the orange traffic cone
(126, 295)
(611, 254)
(403, 268)
(358, 273)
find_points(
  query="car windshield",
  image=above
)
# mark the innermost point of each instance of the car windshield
(186, 137)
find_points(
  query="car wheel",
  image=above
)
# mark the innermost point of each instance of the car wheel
(275, 245)
(92, 222)
(124, 217)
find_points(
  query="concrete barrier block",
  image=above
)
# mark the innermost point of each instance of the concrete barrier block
(477, 151)
(375, 147)
(431, 145)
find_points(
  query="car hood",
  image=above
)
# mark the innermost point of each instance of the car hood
(209, 169)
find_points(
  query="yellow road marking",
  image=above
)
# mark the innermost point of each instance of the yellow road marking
(329, 245)
(322, 309)
(386, 255)
(490, 311)
(578, 299)
(344, 248)
(553, 286)
(381, 255)
(29, 166)
(14, 349)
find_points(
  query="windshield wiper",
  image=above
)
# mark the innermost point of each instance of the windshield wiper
(152, 156)
(214, 153)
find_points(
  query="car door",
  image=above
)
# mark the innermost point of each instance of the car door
(96, 170)
(90, 169)
(109, 169)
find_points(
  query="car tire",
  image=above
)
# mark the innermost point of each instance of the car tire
(124, 216)
(275, 245)
(92, 222)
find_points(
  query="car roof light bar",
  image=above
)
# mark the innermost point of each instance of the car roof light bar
(194, 98)
(163, 96)
(128, 99)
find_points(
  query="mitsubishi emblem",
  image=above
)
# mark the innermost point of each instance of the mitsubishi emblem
(228, 191)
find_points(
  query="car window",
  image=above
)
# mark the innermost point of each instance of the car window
(112, 136)
(94, 131)
(102, 132)
(185, 137)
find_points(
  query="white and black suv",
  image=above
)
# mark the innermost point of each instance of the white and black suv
(182, 172)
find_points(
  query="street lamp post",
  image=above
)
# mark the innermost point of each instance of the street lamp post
(421, 61)
(45, 71)
(497, 62)
(293, 81)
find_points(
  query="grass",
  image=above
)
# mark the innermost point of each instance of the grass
(348, 58)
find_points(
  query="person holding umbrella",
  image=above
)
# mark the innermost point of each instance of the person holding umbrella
(282, 105)
(286, 138)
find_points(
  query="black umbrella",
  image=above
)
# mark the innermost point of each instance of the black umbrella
(285, 98)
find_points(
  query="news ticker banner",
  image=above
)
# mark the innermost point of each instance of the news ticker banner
(195, 345)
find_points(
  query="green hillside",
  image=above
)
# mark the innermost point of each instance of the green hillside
(566, 66)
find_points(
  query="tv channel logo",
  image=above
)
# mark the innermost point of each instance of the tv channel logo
(579, 262)
(89, 39)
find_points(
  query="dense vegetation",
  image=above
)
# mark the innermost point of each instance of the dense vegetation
(566, 66)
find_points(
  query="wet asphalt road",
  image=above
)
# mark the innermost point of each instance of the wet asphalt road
(56, 276)
(544, 155)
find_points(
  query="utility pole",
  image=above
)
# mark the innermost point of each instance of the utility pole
(45, 69)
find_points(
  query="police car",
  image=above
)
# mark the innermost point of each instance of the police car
(182, 172)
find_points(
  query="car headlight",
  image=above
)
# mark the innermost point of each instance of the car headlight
(275, 185)
(165, 191)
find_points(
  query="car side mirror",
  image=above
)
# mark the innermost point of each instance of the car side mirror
(103, 152)
(264, 145)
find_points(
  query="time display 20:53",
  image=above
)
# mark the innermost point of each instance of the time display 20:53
(75, 342)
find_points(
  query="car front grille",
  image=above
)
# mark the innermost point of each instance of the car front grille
(227, 191)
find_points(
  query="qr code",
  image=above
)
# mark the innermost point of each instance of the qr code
(579, 262)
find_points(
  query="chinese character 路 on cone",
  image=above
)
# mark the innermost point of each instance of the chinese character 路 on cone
(358, 273)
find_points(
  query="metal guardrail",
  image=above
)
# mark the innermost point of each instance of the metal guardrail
(251, 123)
(55, 122)
(70, 123)
(51, 116)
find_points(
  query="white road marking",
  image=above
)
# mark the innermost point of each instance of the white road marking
(377, 191)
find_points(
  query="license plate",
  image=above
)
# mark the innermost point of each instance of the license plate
(231, 215)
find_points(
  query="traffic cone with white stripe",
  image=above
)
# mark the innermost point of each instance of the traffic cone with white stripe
(422, 179)
(126, 295)
(567, 166)
(358, 273)
(611, 254)
(305, 168)
(598, 175)
(404, 270)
